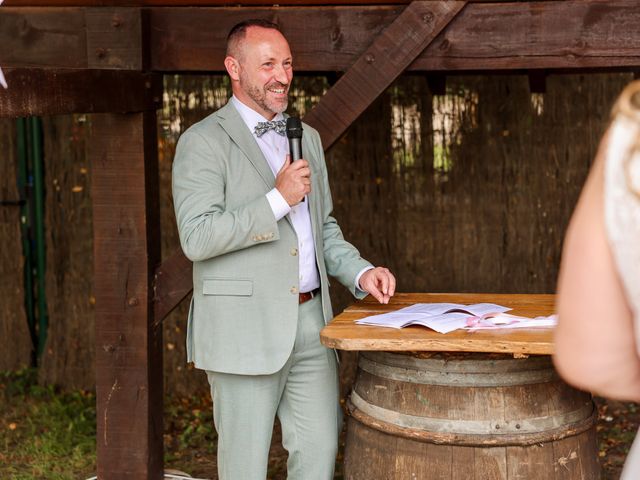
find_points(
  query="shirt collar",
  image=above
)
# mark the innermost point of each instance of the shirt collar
(249, 115)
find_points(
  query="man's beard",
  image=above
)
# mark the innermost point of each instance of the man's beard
(261, 98)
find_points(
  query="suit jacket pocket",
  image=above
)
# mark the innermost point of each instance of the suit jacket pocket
(227, 286)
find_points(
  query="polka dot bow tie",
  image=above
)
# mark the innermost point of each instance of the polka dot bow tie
(279, 126)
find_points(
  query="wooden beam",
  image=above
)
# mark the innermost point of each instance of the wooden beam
(115, 38)
(192, 3)
(322, 38)
(42, 37)
(533, 35)
(107, 38)
(219, 3)
(379, 66)
(173, 282)
(123, 150)
(52, 92)
(485, 36)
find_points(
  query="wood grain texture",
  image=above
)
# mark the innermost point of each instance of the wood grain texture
(14, 331)
(490, 425)
(484, 36)
(379, 65)
(115, 38)
(69, 355)
(321, 38)
(126, 250)
(72, 37)
(569, 34)
(343, 334)
(220, 3)
(42, 37)
(77, 91)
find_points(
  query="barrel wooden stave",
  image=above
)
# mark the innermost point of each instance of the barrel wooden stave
(378, 447)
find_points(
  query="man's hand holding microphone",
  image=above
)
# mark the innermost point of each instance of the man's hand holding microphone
(294, 178)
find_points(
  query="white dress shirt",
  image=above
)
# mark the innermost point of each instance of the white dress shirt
(275, 148)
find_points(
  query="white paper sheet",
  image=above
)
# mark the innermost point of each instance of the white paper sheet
(447, 317)
(441, 317)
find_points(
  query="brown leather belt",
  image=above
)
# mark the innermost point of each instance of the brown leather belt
(306, 296)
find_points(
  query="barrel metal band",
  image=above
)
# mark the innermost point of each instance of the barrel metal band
(474, 432)
(441, 376)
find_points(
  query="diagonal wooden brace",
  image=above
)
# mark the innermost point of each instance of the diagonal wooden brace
(173, 280)
(389, 55)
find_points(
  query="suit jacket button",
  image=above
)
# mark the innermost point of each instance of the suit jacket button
(294, 290)
(294, 251)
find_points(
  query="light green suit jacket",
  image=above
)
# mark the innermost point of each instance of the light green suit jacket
(244, 311)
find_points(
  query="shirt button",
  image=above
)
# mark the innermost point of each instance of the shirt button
(294, 290)
(294, 251)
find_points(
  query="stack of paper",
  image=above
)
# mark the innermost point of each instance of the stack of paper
(447, 317)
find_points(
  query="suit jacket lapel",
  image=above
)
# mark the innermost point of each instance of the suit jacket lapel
(232, 123)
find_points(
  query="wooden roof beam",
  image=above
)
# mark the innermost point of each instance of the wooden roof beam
(570, 34)
(112, 38)
(78, 91)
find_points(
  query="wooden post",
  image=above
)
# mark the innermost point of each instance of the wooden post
(123, 149)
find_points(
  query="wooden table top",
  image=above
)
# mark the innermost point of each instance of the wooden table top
(343, 334)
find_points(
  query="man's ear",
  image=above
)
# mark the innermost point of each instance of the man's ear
(233, 68)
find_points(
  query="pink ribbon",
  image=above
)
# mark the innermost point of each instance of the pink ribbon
(485, 321)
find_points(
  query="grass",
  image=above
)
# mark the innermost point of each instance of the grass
(49, 434)
(44, 433)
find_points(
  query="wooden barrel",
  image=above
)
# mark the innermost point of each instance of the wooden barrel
(467, 416)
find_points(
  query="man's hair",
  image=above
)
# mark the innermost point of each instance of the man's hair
(239, 31)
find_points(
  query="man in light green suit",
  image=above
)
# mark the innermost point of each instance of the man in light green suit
(259, 231)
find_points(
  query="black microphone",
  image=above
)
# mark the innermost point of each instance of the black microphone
(294, 134)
